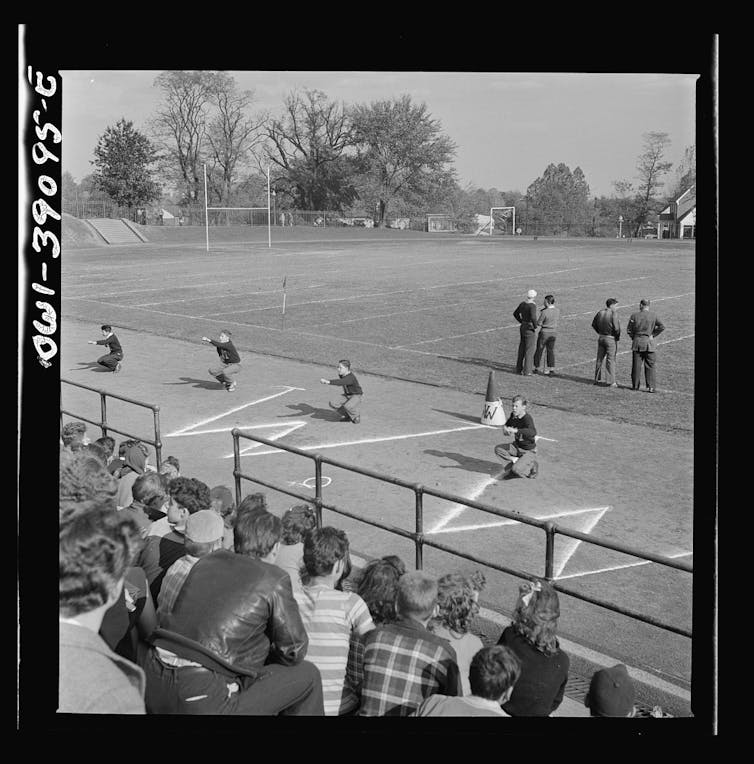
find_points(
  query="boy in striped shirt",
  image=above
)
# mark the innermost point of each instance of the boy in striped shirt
(331, 616)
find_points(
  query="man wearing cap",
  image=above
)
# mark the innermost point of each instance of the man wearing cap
(230, 361)
(643, 327)
(203, 534)
(611, 693)
(607, 326)
(526, 315)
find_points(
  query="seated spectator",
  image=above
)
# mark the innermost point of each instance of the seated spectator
(403, 661)
(116, 463)
(457, 600)
(330, 616)
(83, 484)
(544, 666)
(149, 489)
(297, 522)
(611, 693)
(135, 465)
(108, 445)
(187, 496)
(493, 672)
(97, 452)
(74, 436)
(254, 501)
(234, 642)
(95, 548)
(174, 463)
(203, 535)
(169, 471)
(223, 504)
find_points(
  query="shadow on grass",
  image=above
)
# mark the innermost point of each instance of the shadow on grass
(458, 415)
(511, 369)
(92, 365)
(304, 409)
(202, 384)
(466, 463)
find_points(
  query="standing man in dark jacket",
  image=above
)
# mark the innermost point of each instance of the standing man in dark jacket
(234, 642)
(607, 326)
(643, 327)
(111, 360)
(349, 404)
(526, 315)
(230, 361)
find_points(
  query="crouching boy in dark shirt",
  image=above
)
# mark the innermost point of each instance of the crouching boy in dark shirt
(349, 403)
(519, 455)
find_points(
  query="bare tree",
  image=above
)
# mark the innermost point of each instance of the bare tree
(650, 170)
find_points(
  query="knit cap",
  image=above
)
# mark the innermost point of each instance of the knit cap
(611, 692)
(204, 526)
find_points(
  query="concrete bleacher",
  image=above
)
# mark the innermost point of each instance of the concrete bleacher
(116, 230)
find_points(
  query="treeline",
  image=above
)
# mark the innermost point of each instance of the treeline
(384, 159)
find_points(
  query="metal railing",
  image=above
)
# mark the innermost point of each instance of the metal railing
(156, 443)
(420, 540)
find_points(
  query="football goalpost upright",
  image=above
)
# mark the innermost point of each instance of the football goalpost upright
(505, 213)
(228, 210)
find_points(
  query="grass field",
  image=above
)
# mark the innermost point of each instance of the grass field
(436, 310)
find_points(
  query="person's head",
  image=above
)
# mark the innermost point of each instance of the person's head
(536, 615)
(150, 486)
(297, 522)
(256, 533)
(457, 600)
(203, 533)
(225, 335)
(493, 673)
(518, 405)
(106, 329)
(84, 483)
(107, 444)
(326, 554)
(221, 499)
(344, 367)
(378, 587)
(97, 452)
(124, 446)
(253, 501)
(611, 693)
(549, 299)
(168, 471)
(610, 302)
(173, 462)
(74, 435)
(417, 595)
(643, 303)
(135, 458)
(95, 548)
(531, 294)
(187, 495)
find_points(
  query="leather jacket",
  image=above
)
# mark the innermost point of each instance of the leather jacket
(240, 610)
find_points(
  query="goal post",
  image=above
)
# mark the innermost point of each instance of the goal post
(239, 215)
(441, 221)
(503, 215)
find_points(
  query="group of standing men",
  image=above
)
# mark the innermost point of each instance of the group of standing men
(538, 329)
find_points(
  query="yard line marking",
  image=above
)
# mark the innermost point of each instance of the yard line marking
(506, 521)
(459, 508)
(183, 430)
(576, 543)
(370, 440)
(620, 567)
(623, 352)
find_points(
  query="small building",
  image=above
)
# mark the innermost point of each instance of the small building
(678, 219)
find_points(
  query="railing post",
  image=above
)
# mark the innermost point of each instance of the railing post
(318, 489)
(549, 550)
(103, 412)
(419, 541)
(236, 465)
(157, 441)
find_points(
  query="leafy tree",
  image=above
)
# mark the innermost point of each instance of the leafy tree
(69, 189)
(685, 174)
(307, 147)
(650, 169)
(559, 199)
(123, 157)
(404, 153)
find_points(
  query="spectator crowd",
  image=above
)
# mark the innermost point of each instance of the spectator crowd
(173, 600)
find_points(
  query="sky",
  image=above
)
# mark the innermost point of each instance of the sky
(507, 126)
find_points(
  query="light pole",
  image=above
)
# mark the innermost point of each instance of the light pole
(620, 226)
(274, 213)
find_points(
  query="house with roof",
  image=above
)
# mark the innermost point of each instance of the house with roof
(678, 219)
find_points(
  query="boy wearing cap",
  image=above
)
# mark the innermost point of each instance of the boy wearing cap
(611, 693)
(526, 315)
(203, 535)
(230, 361)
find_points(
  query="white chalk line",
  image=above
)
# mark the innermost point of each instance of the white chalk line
(507, 521)
(621, 567)
(181, 431)
(576, 543)
(475, 493)
(321, 446)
